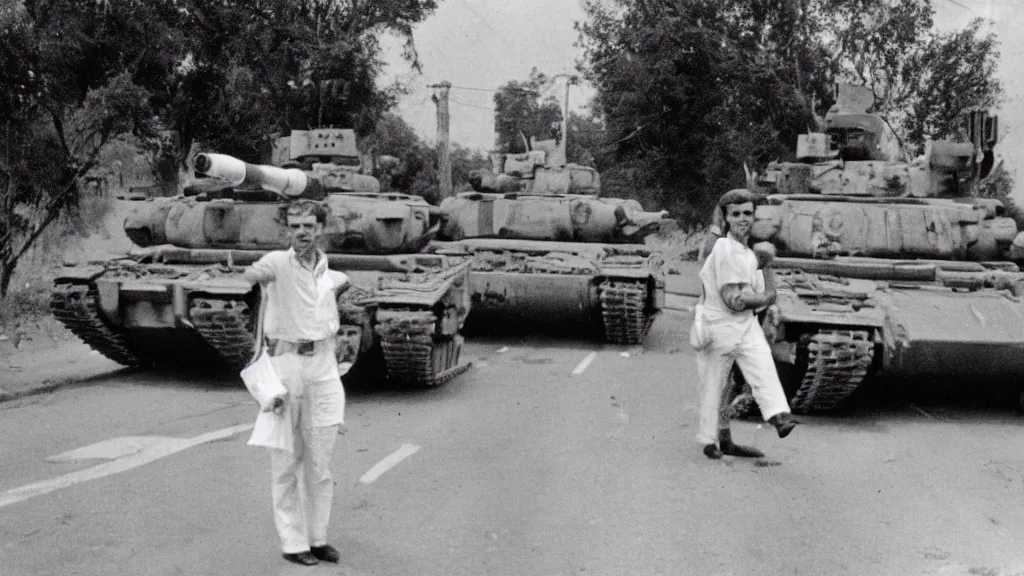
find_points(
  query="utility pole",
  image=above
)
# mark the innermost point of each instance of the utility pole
(569, 81)
(444, 160)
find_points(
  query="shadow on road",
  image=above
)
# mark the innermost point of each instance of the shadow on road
(884, 401)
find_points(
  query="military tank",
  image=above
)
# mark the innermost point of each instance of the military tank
(888, 265)
(179, 293)
(545, 245)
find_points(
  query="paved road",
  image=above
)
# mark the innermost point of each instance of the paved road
(522, 469)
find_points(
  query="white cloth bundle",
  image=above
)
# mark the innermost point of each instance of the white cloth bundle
(273, 428)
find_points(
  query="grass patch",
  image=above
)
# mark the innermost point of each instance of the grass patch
(91, 230)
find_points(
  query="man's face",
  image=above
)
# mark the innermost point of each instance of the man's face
(304, 231)
(740, 217)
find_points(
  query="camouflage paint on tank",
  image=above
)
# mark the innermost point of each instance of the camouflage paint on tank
(887, 265)
(544, 245)
(179, 294)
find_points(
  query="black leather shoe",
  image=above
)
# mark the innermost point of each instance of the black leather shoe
(740, 451)
(304, 558)
(783, 423)
(327, 553)
(712, 451)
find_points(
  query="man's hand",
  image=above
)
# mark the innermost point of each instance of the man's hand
(278, 406)
(765, 252)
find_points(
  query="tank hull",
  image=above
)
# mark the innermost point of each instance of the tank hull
(837, 323)
(383, 224)
(407, 310)
(620, 285)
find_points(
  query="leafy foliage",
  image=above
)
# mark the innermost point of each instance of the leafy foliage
(521, 112)
(922, 79)
(691, 92)
(250, 68)
(76, 76)
(60, 110)
(417, 170)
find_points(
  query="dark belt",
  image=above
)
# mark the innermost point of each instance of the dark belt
(277, 347)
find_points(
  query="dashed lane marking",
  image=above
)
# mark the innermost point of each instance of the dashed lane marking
(145, 455)
(388, 463)
(583, 364)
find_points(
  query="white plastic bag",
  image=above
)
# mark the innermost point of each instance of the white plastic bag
(263, 382)
(700, 335)
(274, 425)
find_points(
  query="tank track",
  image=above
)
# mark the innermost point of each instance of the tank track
(837, 363)
(412, 355)
(226, 324)
(76, 306)
(624, 310)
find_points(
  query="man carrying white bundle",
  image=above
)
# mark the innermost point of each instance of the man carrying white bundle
(300, 325)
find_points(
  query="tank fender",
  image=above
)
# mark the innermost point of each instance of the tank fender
(79, 274)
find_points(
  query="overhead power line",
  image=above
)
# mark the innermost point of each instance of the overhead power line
(961, 5)
(500, 35)
(472, 105)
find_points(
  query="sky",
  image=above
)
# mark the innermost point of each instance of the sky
(478, 45)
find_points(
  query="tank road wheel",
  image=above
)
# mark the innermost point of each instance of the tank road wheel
(413, 354)
(226, 324)
(831, 364)
(77, 307)
(624, 310)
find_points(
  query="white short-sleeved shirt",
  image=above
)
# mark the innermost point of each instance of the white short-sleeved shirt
(301, 302)
(730, 262)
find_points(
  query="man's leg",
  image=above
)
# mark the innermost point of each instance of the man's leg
(320, 482)
(289, 512)
(327, 415)
(716, 366)
(289, 516)
(734, 385)
(754, 358)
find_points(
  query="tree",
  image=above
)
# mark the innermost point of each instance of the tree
(586, 142)
(254, 68)
(65, 95)
(520, 111)
(417, 170)
(225, 73)
(691, 92)
(923, 80)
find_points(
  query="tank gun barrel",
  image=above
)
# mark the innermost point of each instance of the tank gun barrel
(288, 182)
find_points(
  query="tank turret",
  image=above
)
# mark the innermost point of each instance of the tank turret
(179, 294)
(545, 244)
(243, 216)
(887, 265)
(853, 192)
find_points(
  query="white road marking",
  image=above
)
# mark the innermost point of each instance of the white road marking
(142, 457)
(113, 448)
(388, 463)
(583, 364)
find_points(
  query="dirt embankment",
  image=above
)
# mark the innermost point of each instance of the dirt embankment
(95, 233)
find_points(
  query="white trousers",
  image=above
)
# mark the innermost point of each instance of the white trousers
(745, 345)
(317, 402)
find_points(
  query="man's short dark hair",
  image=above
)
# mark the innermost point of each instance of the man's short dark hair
(734, 196)
(306, 207)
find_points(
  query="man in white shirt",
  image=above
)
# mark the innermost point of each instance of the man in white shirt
(300, 326)
(734, 286)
